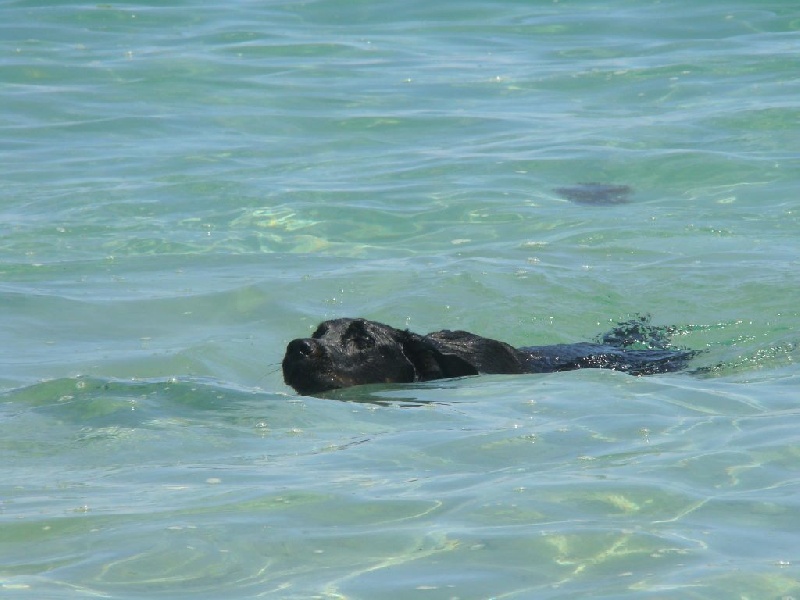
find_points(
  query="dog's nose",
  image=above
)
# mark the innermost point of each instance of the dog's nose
(305, 347)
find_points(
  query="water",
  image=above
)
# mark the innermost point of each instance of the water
(188, 187)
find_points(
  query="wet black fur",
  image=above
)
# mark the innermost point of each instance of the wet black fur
(347, 352)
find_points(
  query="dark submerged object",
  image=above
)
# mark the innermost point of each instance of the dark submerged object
(598, 194)
(348, 352)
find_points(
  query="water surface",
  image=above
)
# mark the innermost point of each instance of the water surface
(188, 187)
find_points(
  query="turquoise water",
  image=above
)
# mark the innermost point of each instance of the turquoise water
(188, 187)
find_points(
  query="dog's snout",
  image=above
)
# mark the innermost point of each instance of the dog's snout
(304, 347)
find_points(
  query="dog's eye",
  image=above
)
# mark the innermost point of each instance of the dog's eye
(363, 342)
(358, 336)
(320, 331)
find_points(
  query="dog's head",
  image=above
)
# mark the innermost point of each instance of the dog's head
(347, 352)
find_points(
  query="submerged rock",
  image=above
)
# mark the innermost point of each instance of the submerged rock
(598, 194)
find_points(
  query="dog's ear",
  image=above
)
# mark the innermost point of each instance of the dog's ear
(430, 363)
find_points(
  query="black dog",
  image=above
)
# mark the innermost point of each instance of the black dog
(346, 352)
